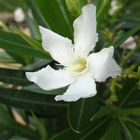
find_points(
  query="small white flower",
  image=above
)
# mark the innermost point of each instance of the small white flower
(19, 15)
(130, 43)
(81, 69)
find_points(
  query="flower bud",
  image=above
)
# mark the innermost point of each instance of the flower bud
(19, 15)
(130, 43)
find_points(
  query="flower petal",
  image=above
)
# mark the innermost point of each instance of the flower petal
(48, 78)
(102, 65)
(58, 46)
(83, 87)
(85, 36)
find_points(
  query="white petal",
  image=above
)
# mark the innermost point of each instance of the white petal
(85, 36)
(48, 78)
(102, 65)
(83, 87)
(58, 46)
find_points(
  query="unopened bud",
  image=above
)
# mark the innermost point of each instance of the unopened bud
(130, 43)
(19, 15)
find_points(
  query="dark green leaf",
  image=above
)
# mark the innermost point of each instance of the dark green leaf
(67, 134)
(113, 131)
(54, 16)
(36, 89)
(132, 111)
(134, 131)
(126, 131)
(106, 111)
(80, 112)
(36, 12)
(97, 130)
(40, 128)
(14, 43)
(122, 37)
(129, 93)
(6, 135)
(31, 101)
(16, 77)
(32, 42)
(9, 124)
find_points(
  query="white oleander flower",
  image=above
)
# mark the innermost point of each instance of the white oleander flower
(81, 69)
(19, 15)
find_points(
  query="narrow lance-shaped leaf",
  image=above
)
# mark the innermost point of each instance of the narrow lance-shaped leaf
(30, 101)
(83, 109)
(15, 44)
(9, 124)
(16, 77)
(113, 131)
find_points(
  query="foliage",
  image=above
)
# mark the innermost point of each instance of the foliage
(113, 114)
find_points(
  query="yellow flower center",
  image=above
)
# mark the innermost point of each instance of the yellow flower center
(78, 65)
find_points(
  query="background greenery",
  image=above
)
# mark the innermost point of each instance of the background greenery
(29, 113)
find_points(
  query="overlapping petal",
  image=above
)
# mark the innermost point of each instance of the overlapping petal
(48, 78)
(83, 87)
(85, 36)
(58, 46)
(102, 65)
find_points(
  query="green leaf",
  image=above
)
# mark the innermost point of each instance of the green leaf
(36, 89)
(32, 25)
(126, 131)
(102, 11)
(113, 131)
(51, 14)
(54, 16)
(128, 94)
(14, 43)
(74, 7)
(134, 131)
(36, 12)
(30, 101)
(9, 124)
(101, 5)
(16, 77)
(40, 128)
(67, 134)
(37, 64)
(9, 6)
(19, 138)
(6, 58)
(132, 111)
(69, 17)
(32, 42)
(6, 135)
(97, 130)
(106, 111)
(80, 112)
(122, 37)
